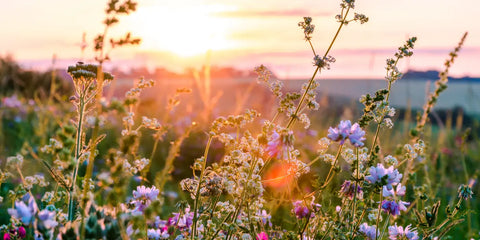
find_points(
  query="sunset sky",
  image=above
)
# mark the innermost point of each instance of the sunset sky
(246, 33)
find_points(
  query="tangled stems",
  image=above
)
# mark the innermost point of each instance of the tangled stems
(329, 175)
(297, 110)
(197, 194)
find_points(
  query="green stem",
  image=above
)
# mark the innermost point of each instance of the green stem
(197, 194)
(78, 145)
(294, 116)
(379, 214)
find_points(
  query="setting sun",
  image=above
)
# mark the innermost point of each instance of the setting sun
(182, 31)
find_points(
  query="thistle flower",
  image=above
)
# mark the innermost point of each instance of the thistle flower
(398, 232)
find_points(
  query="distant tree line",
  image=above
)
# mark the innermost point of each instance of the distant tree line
(28, 83)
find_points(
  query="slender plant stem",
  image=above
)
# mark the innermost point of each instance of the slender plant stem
(78, 145)
(379, 214)
(310, 83)
(197, 194)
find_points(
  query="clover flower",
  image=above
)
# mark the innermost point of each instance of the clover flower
(369, 231)
(384, 176)
(346, 130)
(398, 232)
(143, 197)
(262, 236)
(348, 190)
(24, 212)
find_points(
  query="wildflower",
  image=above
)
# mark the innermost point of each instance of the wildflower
(348, 190)
(300, 210)
(341, 132)
(369, 231)
(22, 233)
(393, 208)
(356, 135)
(279, 145)
(143, 197)
(23, 212)
(465, 192)
(384, 176)
(262, 236)
(12, 102)
(323, 62)
(157, 234)
(346, 130)
(48, 218)
(395, 233)
(182, 221)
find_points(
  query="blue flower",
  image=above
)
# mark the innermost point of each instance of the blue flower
(24, 212)
(346, 130)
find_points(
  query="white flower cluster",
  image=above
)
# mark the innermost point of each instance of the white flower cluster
(52, 146)
(142, 84)
(138, 165)
(15, 160)
(37, 179)
(151, 123)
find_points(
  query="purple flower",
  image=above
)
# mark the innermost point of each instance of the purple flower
(341, 132)
(378, 173)
(348, 190)
(399, 191)
(143, 197)
(300, 210)
(157, 234)
(395, 233)
(346, 130)
(392, 208)
(369, 231)
(182, 221)
(356, 136)
(23, 212)
(6, 236)
(21, 232)
(279, 145)
(262, 236)
(48, 218)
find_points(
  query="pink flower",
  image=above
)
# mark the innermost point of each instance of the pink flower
(262, 236)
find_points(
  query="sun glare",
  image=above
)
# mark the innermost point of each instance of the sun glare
(183, 31)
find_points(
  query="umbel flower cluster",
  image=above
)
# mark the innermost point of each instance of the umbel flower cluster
(258, 176)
